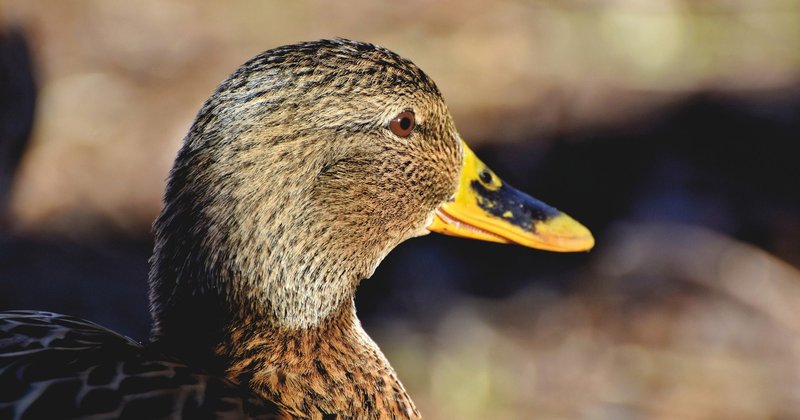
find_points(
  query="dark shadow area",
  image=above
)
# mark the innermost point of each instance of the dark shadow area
(17, 106)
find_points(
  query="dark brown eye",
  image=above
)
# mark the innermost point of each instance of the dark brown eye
(403, 124)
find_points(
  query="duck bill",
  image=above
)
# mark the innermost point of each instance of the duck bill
(487, 209)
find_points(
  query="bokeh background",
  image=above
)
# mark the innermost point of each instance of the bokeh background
(669, 127)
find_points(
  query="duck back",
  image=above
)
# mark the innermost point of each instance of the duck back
(62, 366)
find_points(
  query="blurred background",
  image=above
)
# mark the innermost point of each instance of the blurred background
(669, 127)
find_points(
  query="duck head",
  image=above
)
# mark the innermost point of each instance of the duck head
(304, 169)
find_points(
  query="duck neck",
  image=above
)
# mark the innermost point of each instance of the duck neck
(332, 368)
(202, 296)
(272, 311)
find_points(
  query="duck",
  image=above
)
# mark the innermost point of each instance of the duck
(300, 173)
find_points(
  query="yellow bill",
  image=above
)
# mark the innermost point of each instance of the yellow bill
(488, 209)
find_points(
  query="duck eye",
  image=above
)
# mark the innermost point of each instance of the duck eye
(403, 124)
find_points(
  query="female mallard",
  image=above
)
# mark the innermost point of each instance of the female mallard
(301, 172)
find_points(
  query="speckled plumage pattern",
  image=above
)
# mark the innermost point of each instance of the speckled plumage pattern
(289, 189)
(332, 368)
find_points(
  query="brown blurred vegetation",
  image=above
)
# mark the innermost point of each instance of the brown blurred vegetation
(670, 127)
